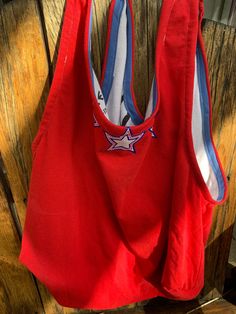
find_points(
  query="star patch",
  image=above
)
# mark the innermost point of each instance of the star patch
(124, 142)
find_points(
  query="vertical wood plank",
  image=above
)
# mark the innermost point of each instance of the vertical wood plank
(18, 292)
(146, 18)
(99, 33)
(223, 11)
(51, 13)
(220, 43)
(153, 9)
(23, 73)
(141, 70)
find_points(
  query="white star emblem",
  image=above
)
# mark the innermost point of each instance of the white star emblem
(124, 142)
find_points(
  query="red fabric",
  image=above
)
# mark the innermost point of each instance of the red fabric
(107, 228)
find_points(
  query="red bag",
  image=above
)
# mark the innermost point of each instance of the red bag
(120, 204)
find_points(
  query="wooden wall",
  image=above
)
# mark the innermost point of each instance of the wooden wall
(223, 11)
(29, 37)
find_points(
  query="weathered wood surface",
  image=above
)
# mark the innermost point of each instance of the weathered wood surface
(18, 292)
(220, 43)
(22, 77)
(223, 11)
(51, 13)
(99, 30)
(29, 38)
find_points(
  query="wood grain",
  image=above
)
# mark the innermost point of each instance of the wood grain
(23, 75)
(220, 44)
(99, 33)
(146, 26)
(23, 78)
(153, 9)
(223, 11)
(18, 292)
(51, 13)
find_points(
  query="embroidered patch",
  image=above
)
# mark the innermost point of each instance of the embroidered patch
(124, 142)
